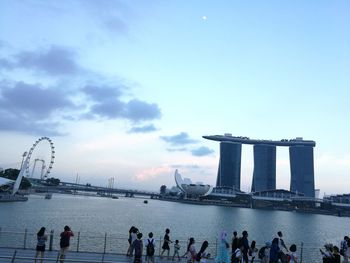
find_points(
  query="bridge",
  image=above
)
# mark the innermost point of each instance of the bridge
(66, 187)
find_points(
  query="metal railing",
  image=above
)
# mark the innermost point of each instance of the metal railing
(113, 244)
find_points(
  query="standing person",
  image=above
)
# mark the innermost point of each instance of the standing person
(234, 242)
(274, 251)
(132, 237)
(191, 251)
(245, 243)
(252, 251)
(264, 253)
(166, 243)
(64, 242)
(202, 255)
(336, 255)
(344, 248)
(237, 256)
(137, 246)
(150, 248)
(283, 248)
(40, 247)
(176, 250)
(223, 254)
(292, 255)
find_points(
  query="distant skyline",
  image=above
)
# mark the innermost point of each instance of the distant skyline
(127, 89)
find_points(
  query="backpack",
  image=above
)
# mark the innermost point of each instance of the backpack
(64, 242)
(150, 248)
(261, 252)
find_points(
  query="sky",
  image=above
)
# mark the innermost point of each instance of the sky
(127, 89)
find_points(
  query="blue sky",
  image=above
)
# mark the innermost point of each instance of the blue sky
(126, 89)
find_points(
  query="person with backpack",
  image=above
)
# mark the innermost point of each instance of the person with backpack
(64, 242)
(264, 253)
(137, 248)
(150, 248)
(176, 250)
(237, 256)
(202, 255)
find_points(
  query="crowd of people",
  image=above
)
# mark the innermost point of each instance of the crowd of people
(238, 250)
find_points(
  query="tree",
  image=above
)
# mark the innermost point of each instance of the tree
(53, 181)
(12, 174)
(163, 189)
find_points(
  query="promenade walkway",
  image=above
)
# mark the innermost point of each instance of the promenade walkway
(12, 255)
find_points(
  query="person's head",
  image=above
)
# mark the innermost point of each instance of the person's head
(335, 249)
(279, 233)
(275, 241)
(131, 229)
(176, 241)
(139, 235)
(223, 235)
(234, 233)
(191, 241)
(150, 234)
(252, 245)
(167, 231)
(245, 233)
(293, 248)
(66, 228)
(134, 230)
(41, 231)
(346, 238)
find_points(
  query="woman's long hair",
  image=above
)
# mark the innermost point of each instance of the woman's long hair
(190, 243)
(41, 232)
(203, 247)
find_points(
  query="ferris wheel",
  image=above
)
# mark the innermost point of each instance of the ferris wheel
(31, 164)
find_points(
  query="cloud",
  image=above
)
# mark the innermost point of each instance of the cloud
(137, 110)
(31, 108)
(32, 100)
(179, 139)
(154, 172)
(9, 122)
(53, 61)
(177, 149)
(107, 103)
(202, 151)
(143, 129)
(102, 93)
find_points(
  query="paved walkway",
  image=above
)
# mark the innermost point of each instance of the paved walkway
(27, 255)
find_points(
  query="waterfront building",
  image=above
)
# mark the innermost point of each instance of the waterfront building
(264, 174)
(229, 172)
(302, 170)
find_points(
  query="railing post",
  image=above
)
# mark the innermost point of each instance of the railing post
(105, 244)
(51, 240)
(25, 239)
(14, 256)
(160, 245)
(78, 241)
(301, 252)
